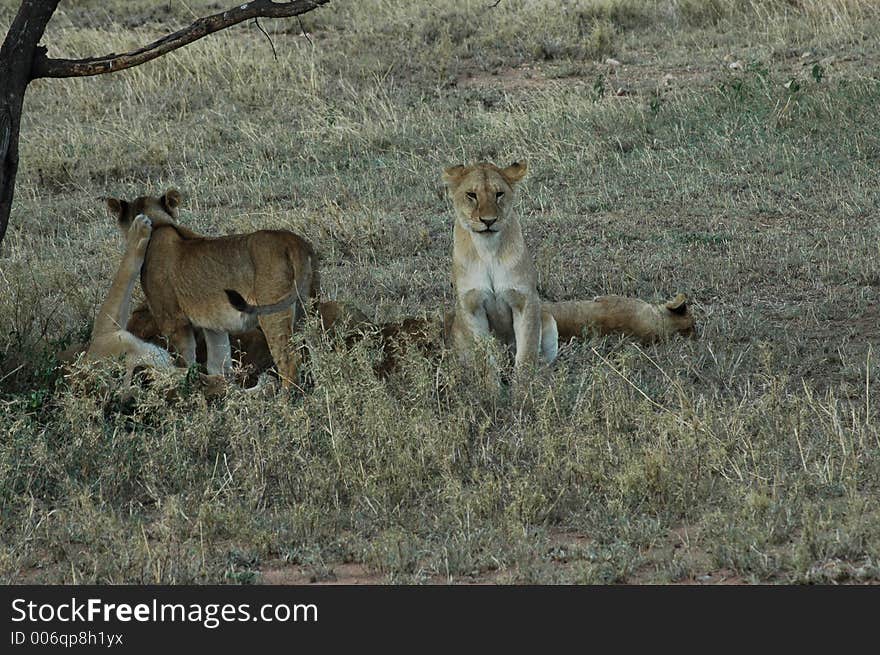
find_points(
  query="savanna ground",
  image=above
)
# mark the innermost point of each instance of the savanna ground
(733, 154)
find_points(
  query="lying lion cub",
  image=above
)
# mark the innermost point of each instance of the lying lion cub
(575, 319)
(618, 315)
(186, 278)
(111, 337)
(492, 271)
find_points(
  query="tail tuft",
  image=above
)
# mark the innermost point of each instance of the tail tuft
(238, 301)
(242, 305)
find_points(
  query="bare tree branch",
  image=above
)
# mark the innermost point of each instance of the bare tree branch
(268, 38)
(302, 29)
(43, 66)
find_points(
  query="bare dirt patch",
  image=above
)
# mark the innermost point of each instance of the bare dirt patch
(279, 573)
(519, 78)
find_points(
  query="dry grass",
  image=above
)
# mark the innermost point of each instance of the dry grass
(752, 452)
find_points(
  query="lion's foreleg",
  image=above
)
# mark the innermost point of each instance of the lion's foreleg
(219, 352)
(526, 327)
(473, 314)
(116, 308)
(473, 322)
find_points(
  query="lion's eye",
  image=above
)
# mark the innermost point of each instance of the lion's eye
(471, 195)
(499, 195)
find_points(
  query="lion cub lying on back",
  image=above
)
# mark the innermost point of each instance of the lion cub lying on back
(492, 271)
(112, 337)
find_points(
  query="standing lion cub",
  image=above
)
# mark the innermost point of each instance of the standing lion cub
(193, 281)
(492, 271)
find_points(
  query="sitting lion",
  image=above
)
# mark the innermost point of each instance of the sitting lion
(492, 271)
(187, 279)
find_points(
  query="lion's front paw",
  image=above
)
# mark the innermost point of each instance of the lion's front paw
(142, 226)
(140, 231)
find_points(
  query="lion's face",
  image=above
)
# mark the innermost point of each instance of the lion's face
(164, 207)
(481, 195)
(680, 317)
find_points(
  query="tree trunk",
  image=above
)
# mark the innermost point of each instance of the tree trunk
(23, 59)
(16, 57)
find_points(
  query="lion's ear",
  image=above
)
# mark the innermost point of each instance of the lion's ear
(678, 305)
(453, 175)
(171, 201)
(515, 172)
(116, 207)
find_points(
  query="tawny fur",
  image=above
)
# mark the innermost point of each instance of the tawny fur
(185, 277)
(492, 271)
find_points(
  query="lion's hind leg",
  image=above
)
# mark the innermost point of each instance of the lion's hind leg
(278, 331)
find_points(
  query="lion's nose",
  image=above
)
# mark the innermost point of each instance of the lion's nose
(488, 222)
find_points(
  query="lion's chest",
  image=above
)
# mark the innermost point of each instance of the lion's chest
(491, 283)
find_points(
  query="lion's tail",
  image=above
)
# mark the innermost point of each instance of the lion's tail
(305, 293)
(242, 305)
